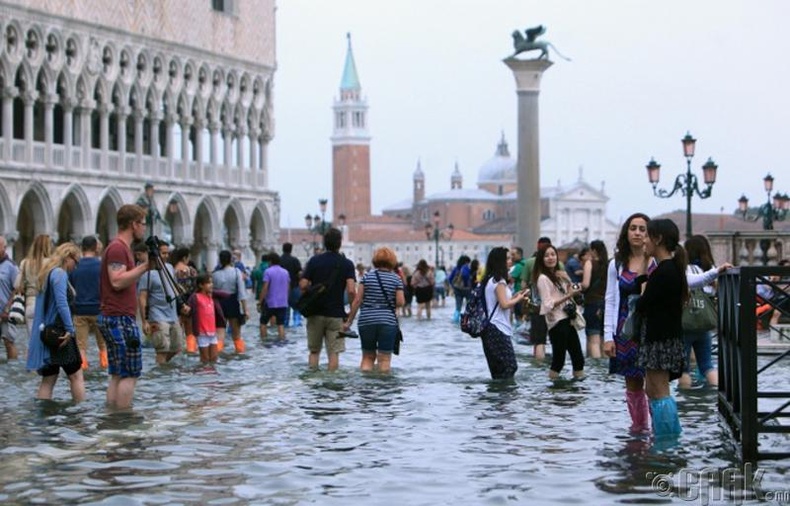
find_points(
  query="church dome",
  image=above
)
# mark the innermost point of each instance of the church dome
(499, 169)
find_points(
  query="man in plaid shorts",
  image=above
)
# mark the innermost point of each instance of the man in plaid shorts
(118, 298)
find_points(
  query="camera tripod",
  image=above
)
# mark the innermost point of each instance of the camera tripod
(170, 286)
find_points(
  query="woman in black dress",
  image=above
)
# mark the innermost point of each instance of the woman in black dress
(661, 351)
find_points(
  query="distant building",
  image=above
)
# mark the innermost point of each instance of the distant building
(482, 217)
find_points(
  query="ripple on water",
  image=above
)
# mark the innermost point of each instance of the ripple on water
(265, 429)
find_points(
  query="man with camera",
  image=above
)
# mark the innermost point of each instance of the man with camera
(158, 298)
(118, 306)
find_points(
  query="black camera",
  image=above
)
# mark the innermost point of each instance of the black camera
(153, 246)
(570, 309)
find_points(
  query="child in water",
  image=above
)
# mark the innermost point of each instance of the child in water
(207, 316)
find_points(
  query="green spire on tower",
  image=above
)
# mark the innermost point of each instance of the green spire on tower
(350, 80)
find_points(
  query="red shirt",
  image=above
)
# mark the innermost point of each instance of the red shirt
(117, 302)
(206, 320)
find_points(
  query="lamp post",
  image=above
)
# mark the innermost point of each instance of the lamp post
(768, 212)
(435, 233)
(317, 224)
(687, 183)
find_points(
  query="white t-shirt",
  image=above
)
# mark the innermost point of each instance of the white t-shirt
(501, 317)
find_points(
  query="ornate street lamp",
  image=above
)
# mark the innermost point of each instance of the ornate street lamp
(435, 233)
(769, 212)
(317, 224)
(687, 183)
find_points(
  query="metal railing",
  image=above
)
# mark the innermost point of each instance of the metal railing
(755, 406)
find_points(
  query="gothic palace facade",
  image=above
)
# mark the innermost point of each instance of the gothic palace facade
(99, 97)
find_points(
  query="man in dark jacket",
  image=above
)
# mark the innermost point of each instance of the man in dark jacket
(337, 273)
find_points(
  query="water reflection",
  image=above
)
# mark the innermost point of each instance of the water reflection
(265, 429)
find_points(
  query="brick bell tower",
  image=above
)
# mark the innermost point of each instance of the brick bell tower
(350, 147)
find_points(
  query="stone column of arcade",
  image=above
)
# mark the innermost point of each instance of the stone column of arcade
(528, 74)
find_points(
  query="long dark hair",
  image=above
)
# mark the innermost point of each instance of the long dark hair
(496, 264)
(623, 250)
(698, 250)
(666, 233)
(541, 268)
(599, 248)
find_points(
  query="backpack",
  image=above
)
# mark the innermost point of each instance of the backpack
(457, 279)
(476, 318)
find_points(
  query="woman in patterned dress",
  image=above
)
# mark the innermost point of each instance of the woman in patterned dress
(627, 270)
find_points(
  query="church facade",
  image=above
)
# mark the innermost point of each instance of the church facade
(99, 98)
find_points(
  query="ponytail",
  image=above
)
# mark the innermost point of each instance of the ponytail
(681, 262)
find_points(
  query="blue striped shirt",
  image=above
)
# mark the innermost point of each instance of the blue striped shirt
(374, 308)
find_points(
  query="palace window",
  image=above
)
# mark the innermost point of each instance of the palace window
(224, 6)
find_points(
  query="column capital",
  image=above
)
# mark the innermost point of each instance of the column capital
(138, 114)
(227, 129)
(199, 123)
(29, 97)
(68, 104)
(527, 73)
(104, 108)
(122, 111)
(185, 121)
(254, 133)
(51, 99)
(214, 126)
(10, 92)
(155, 116)
(241, 130)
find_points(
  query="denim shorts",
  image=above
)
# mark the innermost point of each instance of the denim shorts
(593, 315)
(124, 352)
(378, 337)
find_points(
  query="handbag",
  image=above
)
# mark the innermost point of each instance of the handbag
(700, 313)
(16, 314)
(398, 333)
(60, 354)
(578, 321)
(632, 327)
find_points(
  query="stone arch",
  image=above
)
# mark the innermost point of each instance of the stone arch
(233, 230)
(34, 44)
(34, 217)
(142, 68)
(13, 30)
(6, 211)
(212, 110)
(204, 80)
(177, 217)
(106, 225)
(260, 227)
(64, 86)
(55, 49)
(204, 231)
(24, 77)
(74, 215)
(101, 92)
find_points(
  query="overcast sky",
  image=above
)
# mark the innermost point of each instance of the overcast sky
(642, 74)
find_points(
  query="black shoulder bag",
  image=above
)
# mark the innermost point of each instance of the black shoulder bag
(51, 334)
(398, 334)
(310, 301)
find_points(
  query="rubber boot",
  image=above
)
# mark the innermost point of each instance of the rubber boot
(103, 362)
(192, 346)
(239, 345)
(456, 316)
(666, 422)
(639, 410)
(220, 345)
(84, 361)
(297, 319)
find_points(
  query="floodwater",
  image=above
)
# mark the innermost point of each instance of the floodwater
(267, 430)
